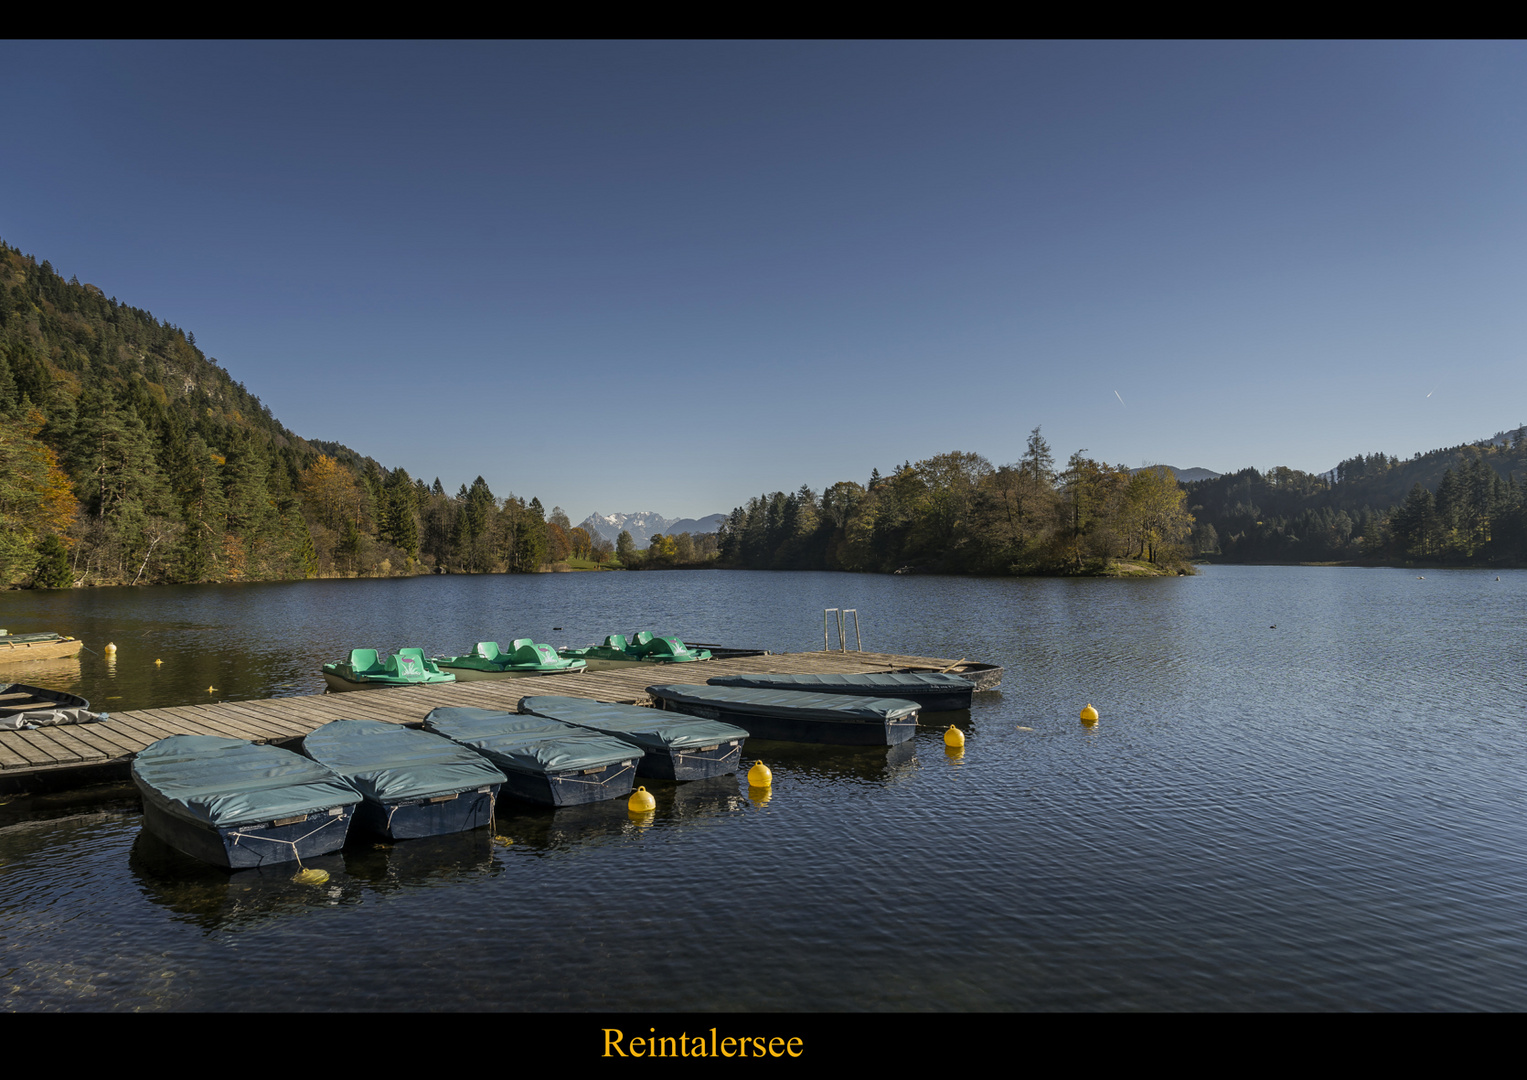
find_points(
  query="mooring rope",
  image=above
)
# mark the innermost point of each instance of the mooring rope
(237, 836)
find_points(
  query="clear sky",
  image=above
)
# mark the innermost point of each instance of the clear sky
(668, 276)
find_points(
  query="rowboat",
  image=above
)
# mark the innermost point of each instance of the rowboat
(543, 760)
(16, 648)
(524, 657)
(931, 691)
(673, 747)
(238, 804)
(23, 706)
(797, 715)
(364, 671)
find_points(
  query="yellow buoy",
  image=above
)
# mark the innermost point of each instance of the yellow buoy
(310, 876)
(954, 736)
(111, 646)
(760, 776)
(641, 802)
(211, 689)
(158, 662)
(1089, 713)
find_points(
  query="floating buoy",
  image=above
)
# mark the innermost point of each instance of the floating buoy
(641, 802)
(211, 689)
(954, 736)
(111, 647)
(310, 876)
(158, 662)
(1089, 713)
(759, 776)
(1022, 728)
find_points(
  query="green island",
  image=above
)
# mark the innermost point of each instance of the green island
(128, 456)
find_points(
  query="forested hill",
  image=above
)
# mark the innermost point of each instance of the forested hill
(1461, 505)
(128, 455)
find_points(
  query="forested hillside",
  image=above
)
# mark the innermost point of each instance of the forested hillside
(127, 455)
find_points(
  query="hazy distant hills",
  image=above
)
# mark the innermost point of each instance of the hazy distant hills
(644, 524)
(1184, 476)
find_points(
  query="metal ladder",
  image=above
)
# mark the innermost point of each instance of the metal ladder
(842, 614)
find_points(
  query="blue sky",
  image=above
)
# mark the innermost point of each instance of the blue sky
(669, 276)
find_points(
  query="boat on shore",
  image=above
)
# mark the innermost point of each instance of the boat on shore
(524, 658)
(673, 747)
(23, 706)
(642, 648)
(797, 715)
(933, 692)
(19, 648)
(414, 784)
(238, 804)
(364, 671)
(543, 760)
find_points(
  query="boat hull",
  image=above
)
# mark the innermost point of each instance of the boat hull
(573, 787)
(699, 764)
(338, 684)
(464, 674)
(413, 819)
(784, 728)
(21, 652)
(240, 847)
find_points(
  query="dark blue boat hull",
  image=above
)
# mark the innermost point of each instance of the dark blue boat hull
(671, 764)
(571, 788)
(413, 819)
(244, 846)
(783, 728)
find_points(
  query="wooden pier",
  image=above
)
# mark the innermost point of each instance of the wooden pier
(58, 758)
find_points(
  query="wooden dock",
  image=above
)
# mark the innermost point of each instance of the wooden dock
(58, 758)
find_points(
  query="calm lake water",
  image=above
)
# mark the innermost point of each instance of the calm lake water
(1326, 815)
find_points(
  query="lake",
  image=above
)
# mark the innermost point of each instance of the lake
(1306, 791)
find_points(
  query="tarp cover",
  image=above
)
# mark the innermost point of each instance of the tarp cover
(224, 782)
(877, 684)
(795, 703)
(390, 763)
(23, 707)
(528, 744)
(650, 729)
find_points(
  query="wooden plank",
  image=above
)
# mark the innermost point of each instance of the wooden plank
(12, 755)
(224, 724)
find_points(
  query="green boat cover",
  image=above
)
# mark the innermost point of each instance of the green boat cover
(525, 655)
(871, 684)
(24, 639)
(527, 744)
(650, 729)
(391, 763)
(226, 782)
(795, 703)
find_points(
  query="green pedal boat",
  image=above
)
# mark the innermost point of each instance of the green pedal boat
(643, 648)
(525, 657)
(363, 671)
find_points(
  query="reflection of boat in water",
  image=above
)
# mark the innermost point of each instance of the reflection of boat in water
(24, 706)
(797, 715)
(237, 804)
(415, 784)
(23, 648)
(426, 861)
(364, 671)
(215, 899)
(832, 764)
(674, 747)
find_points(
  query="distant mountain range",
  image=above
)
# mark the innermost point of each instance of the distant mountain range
(644, 524)
(1185, 476)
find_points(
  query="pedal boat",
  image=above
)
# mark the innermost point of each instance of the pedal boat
(525, 657)
(543, 760)
(643, 648)
(673, 747)
(363, 671)
(414, 783)
(932, 692)
(236, 804)
(797, 715)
